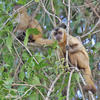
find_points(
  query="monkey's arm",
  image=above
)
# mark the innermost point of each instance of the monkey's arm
(74, 48)
(42, 41)
(74, 45)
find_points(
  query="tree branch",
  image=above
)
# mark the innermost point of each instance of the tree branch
(49, 12)
(68, 27)
(24, 47)
(91, 29)
(52, 86)
(69, 82)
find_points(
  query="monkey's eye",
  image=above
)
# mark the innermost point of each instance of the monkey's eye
(60, 32)
(55, 33)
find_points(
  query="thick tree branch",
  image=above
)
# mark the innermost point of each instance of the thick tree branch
(69, 83)
(68, 28)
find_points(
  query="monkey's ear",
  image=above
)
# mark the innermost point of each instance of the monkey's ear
(62, 25)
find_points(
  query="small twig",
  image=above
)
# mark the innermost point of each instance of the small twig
(81, 90)
(49, 12)
(64, 77)
(15, 84)
(91, 29)
(18, 54)
(20, 62)
(29, 90)
(52, 85)
(91, 94)
(24, 93)
(16, 71)
(51, 20)
(76, 69)
(85, 5)
(69, 82)
(92, 7)
(24, 47)
(96, 31)
(36, 11)
(40, 93)
(9, 96)
(53, 10)
(47, 76)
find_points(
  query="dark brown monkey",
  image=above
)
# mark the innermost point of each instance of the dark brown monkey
(24, 22)
(77, 54)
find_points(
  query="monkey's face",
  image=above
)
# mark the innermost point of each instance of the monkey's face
(59, 34)
(20, 13)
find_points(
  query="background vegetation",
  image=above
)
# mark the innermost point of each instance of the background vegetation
(21, 77)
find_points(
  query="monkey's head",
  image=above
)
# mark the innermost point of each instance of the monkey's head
(59, 33)
(21, 8)
(21, 11)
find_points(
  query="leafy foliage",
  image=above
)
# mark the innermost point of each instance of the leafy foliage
(29, 32)
(19, 71)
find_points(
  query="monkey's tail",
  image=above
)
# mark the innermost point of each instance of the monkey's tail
(89, 81)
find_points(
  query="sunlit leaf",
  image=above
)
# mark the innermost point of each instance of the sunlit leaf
(9, 42)
(35, 80)
(37, 0)
(22, 75)
(97, 45)
(29, 32)
(22, 2)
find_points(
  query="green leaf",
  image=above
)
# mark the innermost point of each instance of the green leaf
(22, 89)
(9, 43)
(8, 83)
(35, 80)
(22, 75)
(76, 75)
(43, 64)
(34, 96)
(1, 82)
(22, 2)
(55, 45)
(8, 58)
(42, 76)
(97, 45)
(37, 0)
(25, 55)
(39, 57)
(79, 30)
(29, 32)
(32, 31)
(91, 60)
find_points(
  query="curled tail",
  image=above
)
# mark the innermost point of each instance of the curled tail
(89, 81)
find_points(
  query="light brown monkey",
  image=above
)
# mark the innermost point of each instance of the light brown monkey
(77, 54)
(24, 22)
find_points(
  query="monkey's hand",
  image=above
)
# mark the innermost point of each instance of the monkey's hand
(67, 47)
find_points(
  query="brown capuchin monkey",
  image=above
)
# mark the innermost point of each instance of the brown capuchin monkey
(24, 22)
(76, 52)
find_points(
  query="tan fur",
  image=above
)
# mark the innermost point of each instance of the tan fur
(77, 55)
(25, 21)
